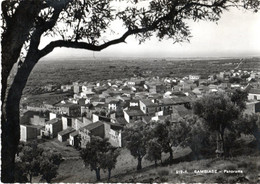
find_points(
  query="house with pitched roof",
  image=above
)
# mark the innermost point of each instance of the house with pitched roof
(147, 106)
(99, 129)
(69, 109)
(254, 94)
(74, 139)
(132, 115)
(64, 134)
(28, 132)
(252, 107)
(52, 128)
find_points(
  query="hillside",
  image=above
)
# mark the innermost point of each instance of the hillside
(245, 160)
(247, 169)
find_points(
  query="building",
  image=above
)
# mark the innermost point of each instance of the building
(80, 122)
(52, 128)
(66, 122)
(74, 139)
(115, 135)
(65, 88)
(113, 105)
(28, 132)
(147, 106)
(77, 88)
(112, 131)
(93, 129)
(157, 88)
(37, 120)
(69, 109)
(194, 77)
(252, 107)
(132, 115)
(254, 94)
(65, 134)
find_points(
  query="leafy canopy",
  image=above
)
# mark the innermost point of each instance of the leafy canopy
(83, 24)
(95, 153)
(218, 110)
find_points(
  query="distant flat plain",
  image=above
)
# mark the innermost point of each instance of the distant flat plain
(66, 71)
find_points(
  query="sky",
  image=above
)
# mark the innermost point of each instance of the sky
(237, 34)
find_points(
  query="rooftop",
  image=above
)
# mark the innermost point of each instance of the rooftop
(66, 131)
(67, 105)
(73, 134)
(182, 110)
(181, 100)
(134, 112)
(53, 121)
(148, 103)
(121, 120)
(254, 91)
(93, 125)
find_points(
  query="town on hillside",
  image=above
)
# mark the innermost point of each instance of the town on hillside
(105, 108)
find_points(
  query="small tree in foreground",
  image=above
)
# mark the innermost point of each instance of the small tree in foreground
(154, 151)
(30, 156)
(249, 125)
(109, 160)
(239, 97)
(136, 142)
(219, 112)
(34, 160)
(48, 170)
(95, 154)
(171, 134)
(197, 136)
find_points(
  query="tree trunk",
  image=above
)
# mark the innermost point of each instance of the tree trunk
(171, 156)
(220, 143)
(109, 174)
(139, 165)
(30, 178)
(48, 180)
(256, 134)
(98, 174)
(155, 163)
(10, 124)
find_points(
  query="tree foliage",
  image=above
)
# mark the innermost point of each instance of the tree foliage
(30, 159)
(109, 161)
(219, 112)
(239, 97)
(136, 141)
(171, 134)
(99, 154)
(34, 160)
(48, 170)
(249, 125)
(84, 24)
(198, 136)
(154, 151)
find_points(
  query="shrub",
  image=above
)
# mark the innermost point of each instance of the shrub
(163, 172)
(242, 164)
(163, 179)
(220, 179)
(231, 167)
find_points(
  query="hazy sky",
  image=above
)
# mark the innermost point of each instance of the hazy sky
(237, 34)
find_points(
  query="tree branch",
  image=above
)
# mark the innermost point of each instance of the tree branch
(83, 45)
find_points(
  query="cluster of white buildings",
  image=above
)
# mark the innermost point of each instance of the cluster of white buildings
(104, 108)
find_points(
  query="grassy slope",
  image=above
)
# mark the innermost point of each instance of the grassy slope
(72, 169)
(249, 165)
